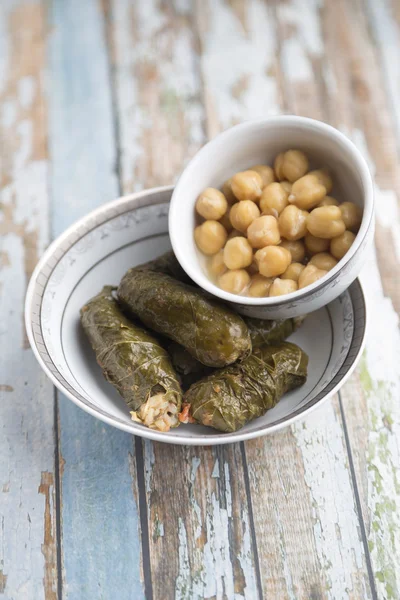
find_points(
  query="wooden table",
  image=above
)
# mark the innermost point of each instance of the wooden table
(102, 97)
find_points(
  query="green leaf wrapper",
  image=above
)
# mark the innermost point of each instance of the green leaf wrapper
(188, 368)
(168, 264)
(210, 332)
(133, 362)
(235, 395)
(263, 331)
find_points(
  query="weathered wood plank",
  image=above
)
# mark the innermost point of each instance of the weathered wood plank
(160, 114)
(302, 521)
(28, 558)
(370, 403)
(199, 523)
(100, 522)
(301, 51)
(359, 87)
(200, 539)
(372, 415)
(384, 24)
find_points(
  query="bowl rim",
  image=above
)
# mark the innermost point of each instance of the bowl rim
(356, 347)
(274, 302)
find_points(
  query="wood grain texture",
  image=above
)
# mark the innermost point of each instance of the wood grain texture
(366, 117)
(158, 92)
(199, 535)
(302, 521)
(311, 512)
(28, 558)
(99, 513)
(363, 77)
(199, 518)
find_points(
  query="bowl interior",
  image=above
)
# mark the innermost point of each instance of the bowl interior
(254, 143)
(98, 252)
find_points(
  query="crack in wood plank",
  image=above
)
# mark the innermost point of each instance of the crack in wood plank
(49, 550)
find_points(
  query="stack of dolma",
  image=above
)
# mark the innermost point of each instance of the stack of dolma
(160, 339)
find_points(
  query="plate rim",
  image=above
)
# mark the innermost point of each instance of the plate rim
(215, 439)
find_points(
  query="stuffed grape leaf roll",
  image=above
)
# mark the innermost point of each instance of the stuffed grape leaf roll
(264, 331)
(168, 264)
(213, 334)
(133, 361)
(235, 395)
(188, 368)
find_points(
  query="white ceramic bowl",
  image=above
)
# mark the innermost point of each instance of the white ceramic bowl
(98, 250)
(258, 142)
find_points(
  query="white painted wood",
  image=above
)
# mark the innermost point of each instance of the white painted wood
(379, 386)
(363, 101)
(237, 62)
(384, 19)
(28, 564)
(159, 108)
(318, 524)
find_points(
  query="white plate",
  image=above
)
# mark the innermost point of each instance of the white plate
(97, 250)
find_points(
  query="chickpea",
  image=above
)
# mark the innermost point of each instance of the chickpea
(324, 178)
(227, 191)
(282, 286)
(328, 201)
(259, 286)
(278, 164)
(235, 233)
(307, 192)
(351, 215)
(217, 266)
(296, 249)
(341, 243)
(263, 231)
(211, 204)
(273, 260)
(287, 186)
(324, 261)
(238, 253)
(293, 271)
(210, 237)
(235, 281)
(310, 274)
(247, 185)
(267, 174)
(326, 222)
(315, 245)
(243, 214)
(226, 221)
(293, 223)
(274, 199)
(295, 165)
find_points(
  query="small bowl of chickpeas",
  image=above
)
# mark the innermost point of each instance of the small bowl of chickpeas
(274, 216)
